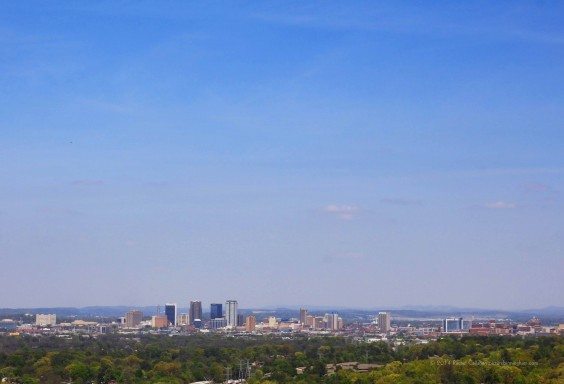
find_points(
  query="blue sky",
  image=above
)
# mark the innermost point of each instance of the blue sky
(282, 153)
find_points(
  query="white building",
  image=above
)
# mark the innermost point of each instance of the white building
(183, 319)
(45, 320)
(272, 322)
(231, 313)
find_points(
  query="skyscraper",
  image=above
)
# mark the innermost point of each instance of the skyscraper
(384, 322)
(272, 322)
(195, 311)
(170, 313)
(453, 325)
(183, 319)
(231, 312)
(332, 321)
(250, 323)
(303, 315)
(216, 311)
(133, 319)
(159, 321)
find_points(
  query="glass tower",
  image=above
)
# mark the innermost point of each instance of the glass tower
(216, 311)
(170, 313)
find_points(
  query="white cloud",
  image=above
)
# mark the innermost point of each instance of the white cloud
(500, 205)
(345, 212)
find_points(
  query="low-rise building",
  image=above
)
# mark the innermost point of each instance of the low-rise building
(218, 323)
(44, 320)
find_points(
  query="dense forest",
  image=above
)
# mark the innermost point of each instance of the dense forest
(184, 359)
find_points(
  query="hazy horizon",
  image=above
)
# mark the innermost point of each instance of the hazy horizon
(372, 155)
(311, 308)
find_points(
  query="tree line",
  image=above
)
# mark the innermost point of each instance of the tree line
(185, 359)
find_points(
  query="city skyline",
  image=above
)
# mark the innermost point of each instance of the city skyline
(329, 154)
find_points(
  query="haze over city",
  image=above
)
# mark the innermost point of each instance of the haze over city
(279, 153)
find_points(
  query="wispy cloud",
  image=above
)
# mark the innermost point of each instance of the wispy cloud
(500, 205)
(541, 193)
(539, 187)
(408, 20)
(344, 212)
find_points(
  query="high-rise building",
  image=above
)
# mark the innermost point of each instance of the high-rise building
(250, 323)
(159, 321)
(303, 315)
(170, 313)
(183, 319)
(310, 321)
(384, 320)
(332, 321)
(45, 320)
(195, 311)
(216, 311)
(453, 325)
(231, 312)
(319, 323)
(133, 319)
(272, 322)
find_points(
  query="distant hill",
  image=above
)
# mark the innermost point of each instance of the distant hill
(93, 311)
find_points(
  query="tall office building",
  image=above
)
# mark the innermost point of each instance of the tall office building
(332, 321)
(195, 311)
(310, 321)
(319, 322)
(272, 322)
(453, 325)
(133, 319)
(170, 313)
(231, 312)
(384, 322)
(159, 321)
(183, 319)
(216, 311)
(250, 323)
(303, 315)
